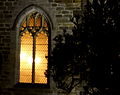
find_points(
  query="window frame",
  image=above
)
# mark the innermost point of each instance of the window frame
(33, 30)
(17, 48)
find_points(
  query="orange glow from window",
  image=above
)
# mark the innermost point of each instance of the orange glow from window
(25, 57)
(34, 46)
(40, 60)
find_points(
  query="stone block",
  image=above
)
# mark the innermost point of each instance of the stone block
(6, 40)
(1, 25)
(67, 15)
(7, 11)
(2, 30)
(3, 0)
(8, 16)
(1, 3)
(65, 12)
(2, 7)
(60, 8)
(11, 0)
(54, 5)
(8, 4)
(51, 0)
(59, 15)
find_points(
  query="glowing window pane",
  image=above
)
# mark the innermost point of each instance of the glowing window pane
(41, 52)
(25, 58)
(39, 20)
(34, 42)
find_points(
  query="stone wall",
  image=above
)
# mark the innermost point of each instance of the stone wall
(57, 10)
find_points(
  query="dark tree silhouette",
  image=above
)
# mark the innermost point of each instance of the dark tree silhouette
(92, 52)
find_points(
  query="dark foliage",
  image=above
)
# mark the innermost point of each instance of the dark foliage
(92, 52)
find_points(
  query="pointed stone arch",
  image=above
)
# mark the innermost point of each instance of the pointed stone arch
(16, 27)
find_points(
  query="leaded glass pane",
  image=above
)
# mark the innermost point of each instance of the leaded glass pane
(26, 58)
(41, 52)
(34, 49)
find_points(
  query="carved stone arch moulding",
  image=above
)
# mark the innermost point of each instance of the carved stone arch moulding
(29, 9)
(15, 34)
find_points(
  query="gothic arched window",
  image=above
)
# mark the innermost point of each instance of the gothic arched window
(33, 49)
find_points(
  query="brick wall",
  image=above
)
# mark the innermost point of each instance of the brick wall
(5, 21)
(10, 10)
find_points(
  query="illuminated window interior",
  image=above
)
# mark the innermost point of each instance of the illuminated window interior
(34, 49)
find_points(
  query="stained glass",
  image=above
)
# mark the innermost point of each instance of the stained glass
(34, 42)
(25, 58)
